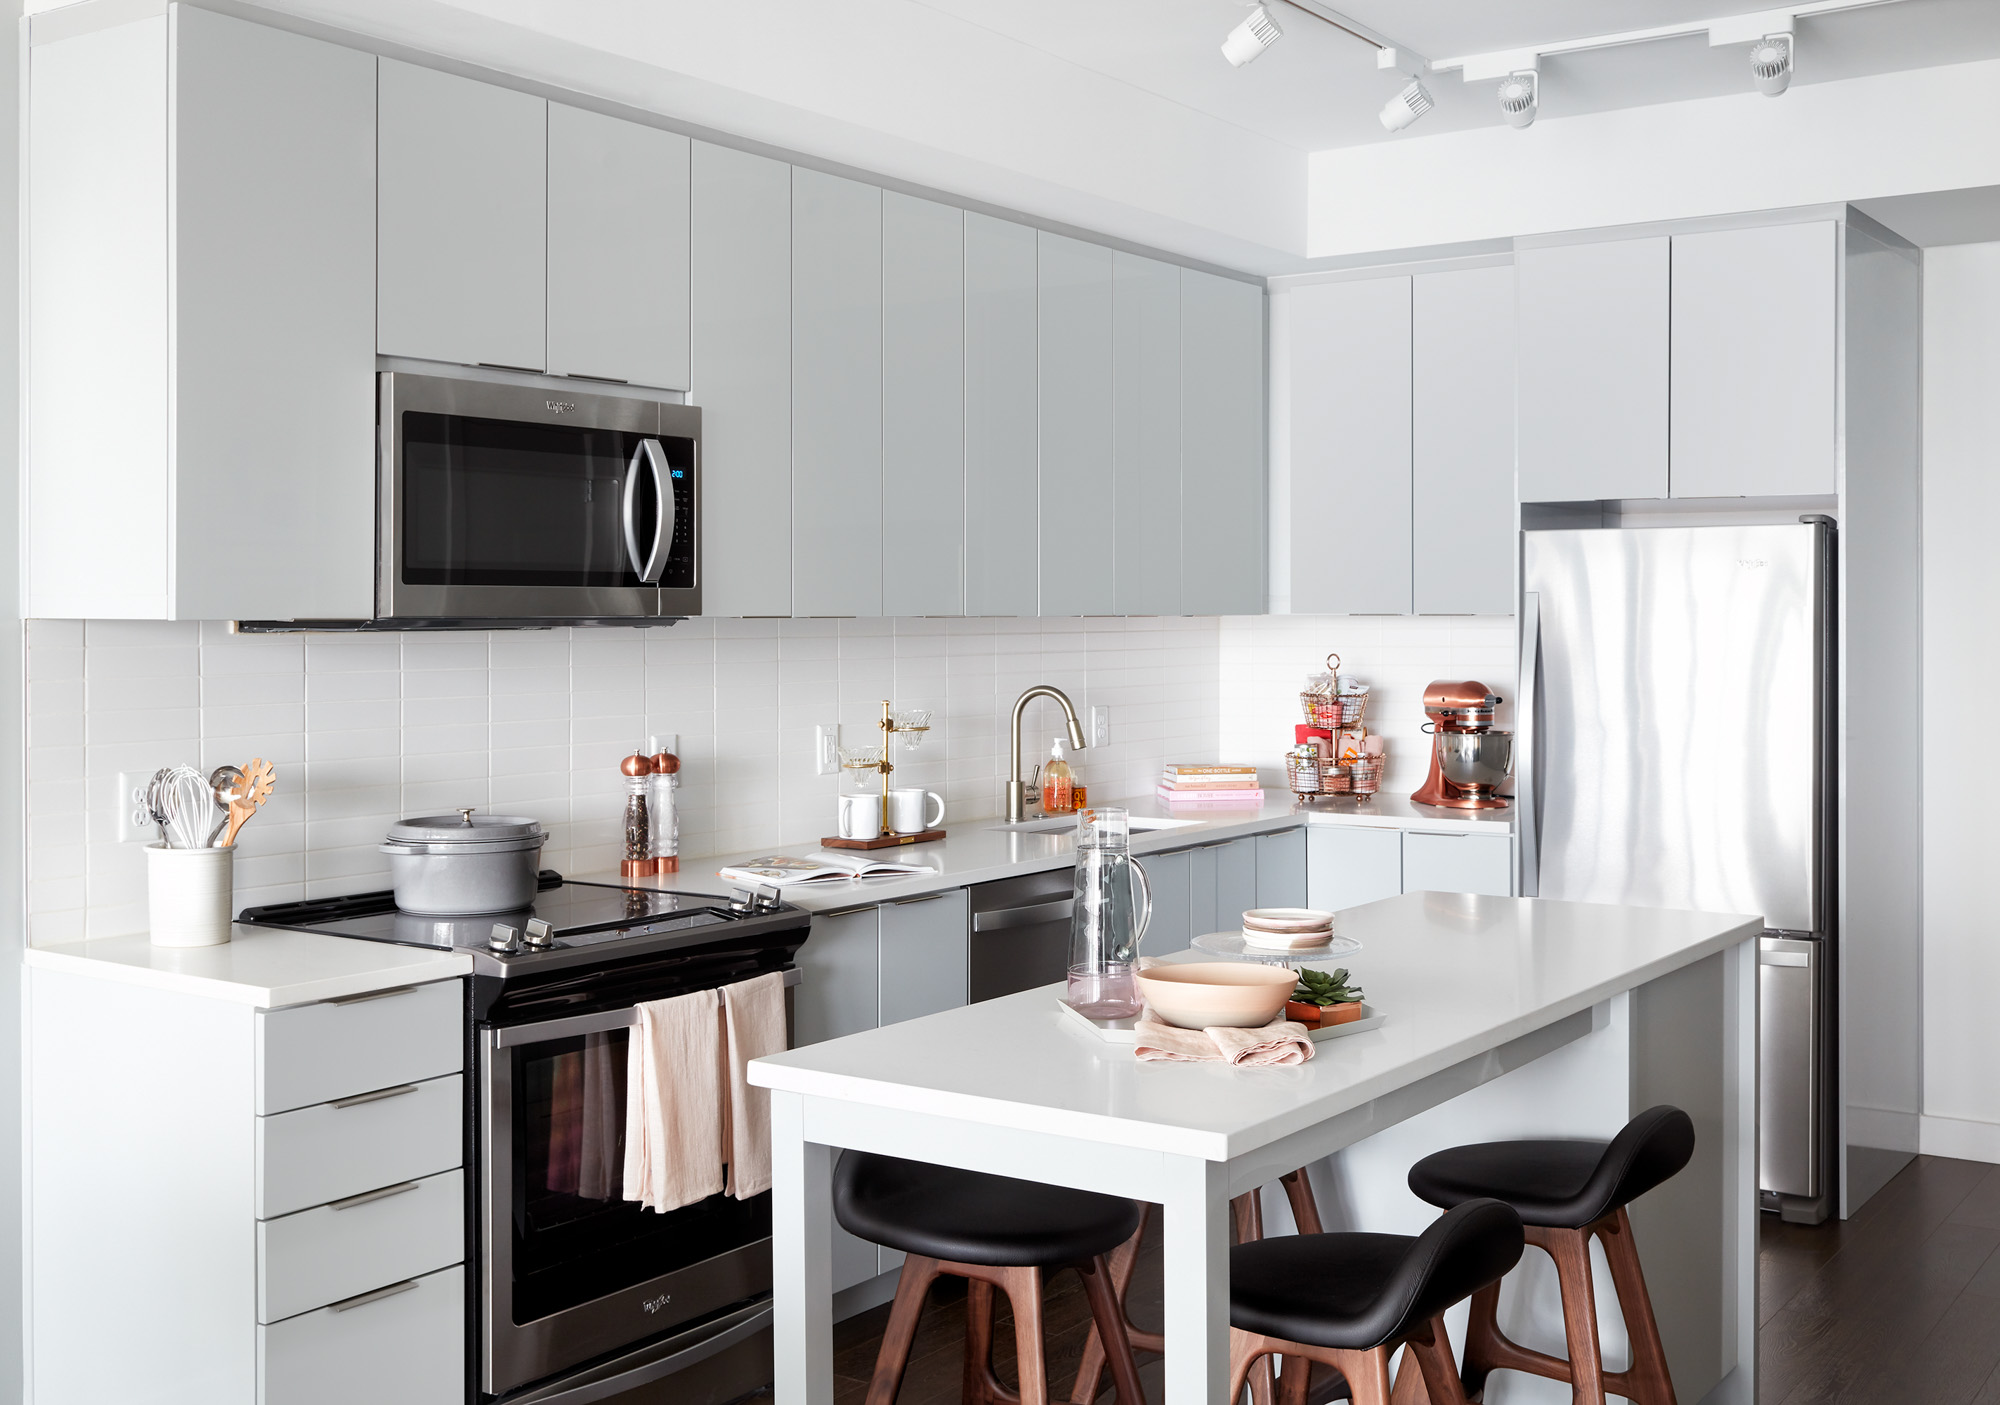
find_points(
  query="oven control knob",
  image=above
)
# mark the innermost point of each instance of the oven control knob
(504, 939)
(766, 902)
(540, 934)
(741, 901)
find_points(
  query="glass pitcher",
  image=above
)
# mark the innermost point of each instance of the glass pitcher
(1114, 902)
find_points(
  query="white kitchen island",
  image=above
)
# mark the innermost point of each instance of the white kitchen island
(1507, 1017)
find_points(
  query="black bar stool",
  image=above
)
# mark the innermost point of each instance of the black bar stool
(1565, 1192)
(1349, 1300)
(994, 1232)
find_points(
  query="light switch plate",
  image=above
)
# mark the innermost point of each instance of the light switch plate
(826, 745)
(1100, 726)
(135, 826)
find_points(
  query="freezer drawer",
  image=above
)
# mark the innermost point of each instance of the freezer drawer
(1787, 1065)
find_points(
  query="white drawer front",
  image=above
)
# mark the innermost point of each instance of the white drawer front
(316, 1053)
(316, 1257)
(316, 1154)
(402, 1348)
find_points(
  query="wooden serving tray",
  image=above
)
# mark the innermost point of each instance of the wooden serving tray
(887, 841)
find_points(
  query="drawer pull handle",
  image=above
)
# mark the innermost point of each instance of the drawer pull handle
(363, 1299)
(925, 898)
(371, 1195)
(367, 995)
(375, 1097)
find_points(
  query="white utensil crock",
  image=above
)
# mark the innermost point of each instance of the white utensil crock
(188, 895)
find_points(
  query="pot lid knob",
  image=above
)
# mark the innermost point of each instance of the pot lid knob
(466, 816)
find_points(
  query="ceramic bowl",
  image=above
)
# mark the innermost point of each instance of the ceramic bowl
(1236, 994)
(1287, 941)
(1287, 921)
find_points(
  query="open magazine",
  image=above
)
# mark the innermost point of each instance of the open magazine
(785, 870)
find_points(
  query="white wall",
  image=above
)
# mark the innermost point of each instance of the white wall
(364, 729)
(1265, 660)
(1892, 134)
(1961, 665)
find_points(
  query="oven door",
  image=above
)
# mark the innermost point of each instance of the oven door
(570, 1269)
(507, 502)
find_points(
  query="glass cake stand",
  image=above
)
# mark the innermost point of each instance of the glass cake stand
(1232, 946)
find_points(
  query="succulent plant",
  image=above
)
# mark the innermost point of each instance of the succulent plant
(1322, 988)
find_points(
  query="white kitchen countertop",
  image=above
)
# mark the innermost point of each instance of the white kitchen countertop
(982, 850)
(258, 966)
(1457, 975)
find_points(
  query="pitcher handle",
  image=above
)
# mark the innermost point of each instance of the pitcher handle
(1143, 893)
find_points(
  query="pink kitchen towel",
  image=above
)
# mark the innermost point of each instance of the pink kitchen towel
(1279, 1042)
(673, 1102)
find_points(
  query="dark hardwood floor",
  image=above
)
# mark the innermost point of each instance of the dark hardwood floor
(1900, 1303)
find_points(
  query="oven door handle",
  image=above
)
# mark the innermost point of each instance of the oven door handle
(653, 562)
(511, 1036)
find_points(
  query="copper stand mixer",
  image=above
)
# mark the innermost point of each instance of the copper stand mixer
(1469, 759)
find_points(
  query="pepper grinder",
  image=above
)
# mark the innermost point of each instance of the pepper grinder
(665, 848)
(638, 861)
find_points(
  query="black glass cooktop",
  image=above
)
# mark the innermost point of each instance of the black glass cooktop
(581, 914)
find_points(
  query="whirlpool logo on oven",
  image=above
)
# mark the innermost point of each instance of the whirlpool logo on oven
(655, 1304)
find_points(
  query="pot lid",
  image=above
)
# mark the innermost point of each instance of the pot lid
(464, 827)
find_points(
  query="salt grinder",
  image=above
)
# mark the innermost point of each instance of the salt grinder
(638, 861)
(666, 833)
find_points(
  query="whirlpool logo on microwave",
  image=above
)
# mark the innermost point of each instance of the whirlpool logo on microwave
(560, 407)
(655, 1304)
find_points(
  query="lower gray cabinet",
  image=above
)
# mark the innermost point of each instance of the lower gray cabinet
(1458, 863)
(1347, 866)
(1281, 869)
(1172, 927)
(923, 955)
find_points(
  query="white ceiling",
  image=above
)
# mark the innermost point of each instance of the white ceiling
(1318, 88)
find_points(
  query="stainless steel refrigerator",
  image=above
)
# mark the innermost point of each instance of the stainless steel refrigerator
(1675, 749)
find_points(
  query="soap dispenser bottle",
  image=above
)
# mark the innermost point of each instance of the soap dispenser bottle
(1058, 781)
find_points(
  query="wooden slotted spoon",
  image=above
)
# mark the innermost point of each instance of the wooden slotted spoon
(258, 778)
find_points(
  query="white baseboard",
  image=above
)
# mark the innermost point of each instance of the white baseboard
(1966, 1140)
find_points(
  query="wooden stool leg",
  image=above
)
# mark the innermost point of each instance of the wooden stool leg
(915, 1281)
(1648, 1382)
(1024, 1290)
(1305, 1209)
(1123, 1260)
(1482, 1335)
(1571, 1250)
(1245, 1348)
(1431, 1358)
(1247, 1216)
(1294, 1381)
(1367, 1374)
(1109, 1315)
(981, 1387)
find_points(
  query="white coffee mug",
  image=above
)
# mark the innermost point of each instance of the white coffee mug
(906, 810)
(860, 817)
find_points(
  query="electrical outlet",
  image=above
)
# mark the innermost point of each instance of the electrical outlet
(135, 825)
(1100, 726)
(826, 749)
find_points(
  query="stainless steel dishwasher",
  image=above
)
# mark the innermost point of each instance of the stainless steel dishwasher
(1020, 933)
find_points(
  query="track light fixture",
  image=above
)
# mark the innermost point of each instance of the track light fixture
(1520, 95)
(1250, 38)
(1771, 64)
(1407, 106)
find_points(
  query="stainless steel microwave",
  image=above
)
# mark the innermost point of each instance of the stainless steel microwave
(513, 504)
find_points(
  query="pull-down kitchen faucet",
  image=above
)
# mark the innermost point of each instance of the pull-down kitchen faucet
(1017, 792)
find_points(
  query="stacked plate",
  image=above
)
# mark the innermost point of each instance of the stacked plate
(1287, 928)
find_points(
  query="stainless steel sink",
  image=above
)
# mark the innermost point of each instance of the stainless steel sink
(1058, 823)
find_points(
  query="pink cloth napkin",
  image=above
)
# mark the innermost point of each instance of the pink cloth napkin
(753, 1017)
(1279, 1042)
(673, 1102)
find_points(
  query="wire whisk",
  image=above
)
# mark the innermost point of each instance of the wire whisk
(181, 801)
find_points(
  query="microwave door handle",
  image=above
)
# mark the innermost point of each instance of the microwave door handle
(663, 524)
(630, 512)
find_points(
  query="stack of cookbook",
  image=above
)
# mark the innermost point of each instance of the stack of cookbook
(1220, 787)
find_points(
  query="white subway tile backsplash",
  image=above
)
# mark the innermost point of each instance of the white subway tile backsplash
(365, 729)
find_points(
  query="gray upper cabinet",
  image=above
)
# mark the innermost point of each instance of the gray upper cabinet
(923, 407)
(1073, 330)
(1222, 446)
(1753, 361)
(1462, 440)
(462, 220)
(1593, 371)
(1146, 435)
(740, 348)
(836, 500)
(1350, 447)
(1000, 508)
(618, 250)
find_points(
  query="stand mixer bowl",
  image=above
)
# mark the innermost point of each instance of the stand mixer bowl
(1476, 761)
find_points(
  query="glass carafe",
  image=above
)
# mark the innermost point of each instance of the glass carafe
(1113, 904)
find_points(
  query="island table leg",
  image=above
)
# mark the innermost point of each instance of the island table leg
(1197, 1281)
(801, 1258)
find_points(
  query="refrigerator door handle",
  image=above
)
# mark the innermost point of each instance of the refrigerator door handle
(1527, 726)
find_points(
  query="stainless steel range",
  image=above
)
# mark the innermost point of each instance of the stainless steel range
(577, 1294)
